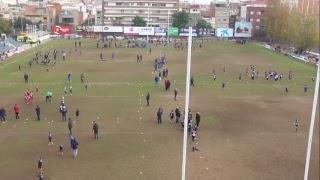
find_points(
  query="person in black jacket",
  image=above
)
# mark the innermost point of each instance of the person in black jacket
(148, 99)
(95, 129)
(38, 112)
(198, 119)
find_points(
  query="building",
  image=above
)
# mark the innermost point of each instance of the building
(155, 12)
(309, 7)
(222, 15)
(194, 14)
(291, 3)
(254, 14)
(71, 17)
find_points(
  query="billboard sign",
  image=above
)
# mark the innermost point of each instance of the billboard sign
(185, 32)
(159, 31)
(173, 31)
(89, 28)
(143, 31)
(97, 28)
(113, 29)
(61, 29)
(243, 29)
(224, 32)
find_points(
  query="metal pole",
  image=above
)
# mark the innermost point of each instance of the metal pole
(312, 121)
(148, 25)
(168, 38)
(186, 108)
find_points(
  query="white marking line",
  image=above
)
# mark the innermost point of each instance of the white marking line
(312, 121)
(7, 133)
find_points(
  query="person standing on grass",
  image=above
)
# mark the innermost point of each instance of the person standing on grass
(19, 67)
(148, 99)
(69, 77)
(2, 114)
(159, 115)
(77, 114)
(50, 142)
(70, 126)
(16, 110)
(74, 146)
(101, 57)
(40, 166)
(296, 125)
(82, 77)
(178, 114)
(138, 58)
(26, 78)
(175, 93)
(95, 129)
(198, 119)
(192, 81)
(38, 112)
(171, 116)
(286, 90)
(61, 149)
(64, 113)
(305, 88)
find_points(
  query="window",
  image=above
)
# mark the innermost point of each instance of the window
(118, 4)
(259, 13)
(258, 20)
(224, 20)
(122, 11)
(257, 27)
(251, 19)
(251, 12)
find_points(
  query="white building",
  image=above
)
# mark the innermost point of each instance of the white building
(155, 12)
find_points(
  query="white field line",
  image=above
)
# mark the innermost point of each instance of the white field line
(312, 121)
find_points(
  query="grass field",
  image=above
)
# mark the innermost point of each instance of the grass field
(246, 130)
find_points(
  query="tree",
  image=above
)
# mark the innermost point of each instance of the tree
(5, 26)
(300, 30)
(21, 22)
(180, 19)
(304, 31)
(139, 21)
(276, 19)
(202, 24)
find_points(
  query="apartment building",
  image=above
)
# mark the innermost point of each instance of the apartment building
(222, 14)
(155, 12)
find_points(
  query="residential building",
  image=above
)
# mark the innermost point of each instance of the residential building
(71, 17)
(222, 15)
(254, 14)
(155, 12)
(195, 14)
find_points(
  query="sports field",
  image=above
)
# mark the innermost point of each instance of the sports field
(246, 130)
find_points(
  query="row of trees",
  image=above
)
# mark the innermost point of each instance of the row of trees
(8, 27)
(285, 25)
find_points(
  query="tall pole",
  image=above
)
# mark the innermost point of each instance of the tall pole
(168, 38)
(313, 117)
(148, 25)
(186, 108)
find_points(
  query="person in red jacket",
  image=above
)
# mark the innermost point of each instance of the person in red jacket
(16, 109)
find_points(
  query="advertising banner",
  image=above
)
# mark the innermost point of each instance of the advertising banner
(114, 29)
(143, 31)
(159, 31)
(224, 32)
(173, 31)
(61, 29)
(243, 29)
(89, 28)
(185, 32)
(97, 28)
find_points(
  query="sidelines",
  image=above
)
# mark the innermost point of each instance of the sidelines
(313, 117)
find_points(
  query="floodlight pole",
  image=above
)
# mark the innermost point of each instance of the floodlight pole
(186, 107)
(148, 26)
(168, 38)
(312, 121)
